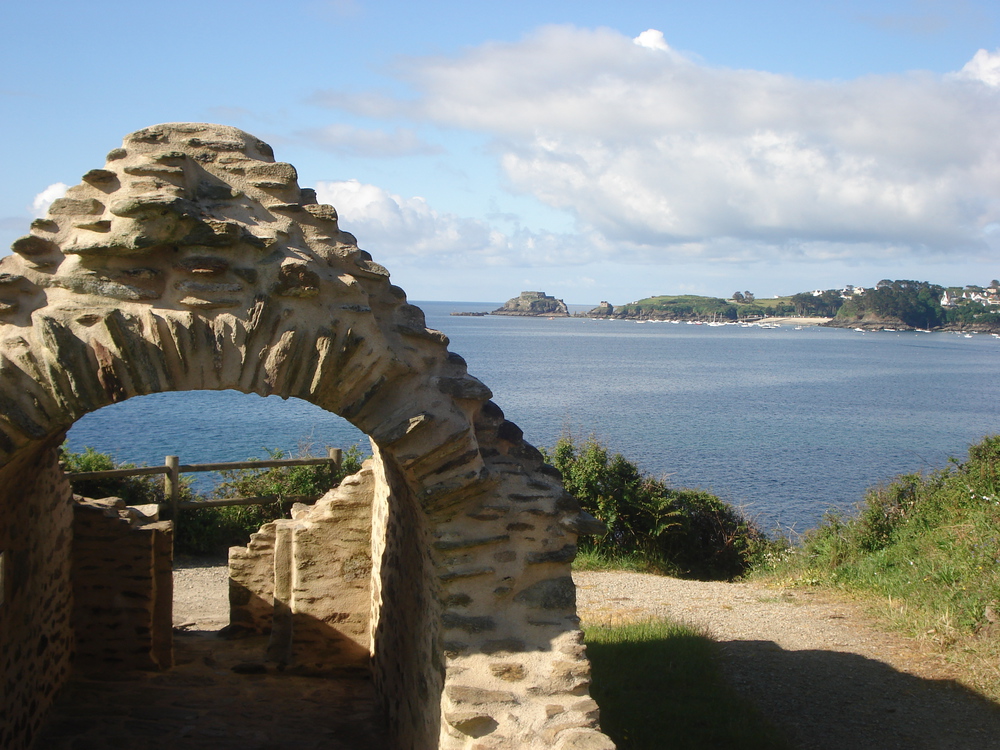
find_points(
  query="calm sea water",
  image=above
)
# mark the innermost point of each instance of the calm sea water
(786, 423)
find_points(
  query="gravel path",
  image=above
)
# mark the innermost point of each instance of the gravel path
(201, 594)
(813, 663)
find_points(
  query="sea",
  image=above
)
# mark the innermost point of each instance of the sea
(786, 423)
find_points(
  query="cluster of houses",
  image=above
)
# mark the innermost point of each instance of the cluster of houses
(988, 296)
(951, 297)
(847, 292)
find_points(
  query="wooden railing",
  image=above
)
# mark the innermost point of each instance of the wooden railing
(172, 469)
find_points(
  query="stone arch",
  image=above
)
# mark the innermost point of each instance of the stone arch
(192, 260)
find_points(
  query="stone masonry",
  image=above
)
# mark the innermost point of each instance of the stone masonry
(192, 260)
(122, 586)
(312, 589)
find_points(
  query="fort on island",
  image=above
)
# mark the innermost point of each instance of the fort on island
(192, 260)
(534, 303)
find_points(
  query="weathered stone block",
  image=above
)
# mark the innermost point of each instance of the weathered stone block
(471, 723)
(553, 593)
(467, 695)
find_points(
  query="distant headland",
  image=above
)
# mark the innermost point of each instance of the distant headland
(893, 305)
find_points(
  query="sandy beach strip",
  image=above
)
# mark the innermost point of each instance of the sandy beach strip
(796, 321)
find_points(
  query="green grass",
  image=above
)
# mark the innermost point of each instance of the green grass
(924, 552)
(659, 685)
(590, 558)
(768, 303)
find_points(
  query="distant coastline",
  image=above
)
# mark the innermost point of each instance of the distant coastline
(889, 305)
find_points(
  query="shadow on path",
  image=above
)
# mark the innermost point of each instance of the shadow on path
(202, 704)
(843, 701)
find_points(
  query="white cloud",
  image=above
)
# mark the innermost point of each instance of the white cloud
(400, 230)
(652, 39)
(45, 198)
(660, 157)
(984, 67)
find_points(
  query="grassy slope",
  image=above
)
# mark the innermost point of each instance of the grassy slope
(924, 551)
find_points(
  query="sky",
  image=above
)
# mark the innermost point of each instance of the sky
(591, 150)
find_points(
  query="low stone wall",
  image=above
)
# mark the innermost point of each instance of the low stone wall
(251, 583)
(122, 587)
(36, 600)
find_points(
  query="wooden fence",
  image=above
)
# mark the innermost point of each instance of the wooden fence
(172, 469)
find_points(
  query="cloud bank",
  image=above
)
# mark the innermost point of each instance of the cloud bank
(402, 230)
(660, 157)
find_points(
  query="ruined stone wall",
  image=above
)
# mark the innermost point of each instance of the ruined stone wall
(122, 588)
(517, 667)
(193, 261)
(251, 582)
(35, 632)
(331, 584)
(328, 588)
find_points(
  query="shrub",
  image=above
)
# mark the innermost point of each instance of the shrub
(681, 531)
(287, 480)
(211, 531)
(206, 531)
(133, 490)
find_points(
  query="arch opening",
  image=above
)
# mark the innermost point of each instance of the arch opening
(201, 427)
(209, 427)
(327, 640)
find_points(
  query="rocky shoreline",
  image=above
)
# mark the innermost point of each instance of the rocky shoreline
(894, 324)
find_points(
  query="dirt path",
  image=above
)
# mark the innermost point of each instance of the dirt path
(814, 664)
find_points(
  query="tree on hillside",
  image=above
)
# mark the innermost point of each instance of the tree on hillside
(748, 297)
(914, 303)
(737, 296)
(825, 304)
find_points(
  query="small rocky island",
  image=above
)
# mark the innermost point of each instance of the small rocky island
(534, 304)
(603, 310)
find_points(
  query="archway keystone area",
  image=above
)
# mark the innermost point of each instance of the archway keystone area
(192, 260)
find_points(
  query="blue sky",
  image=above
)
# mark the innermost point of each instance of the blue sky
(591, 150)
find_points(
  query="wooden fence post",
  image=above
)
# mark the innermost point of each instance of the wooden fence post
(337, 456)
(172, 486)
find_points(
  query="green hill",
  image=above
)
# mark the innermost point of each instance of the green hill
(692, 306)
